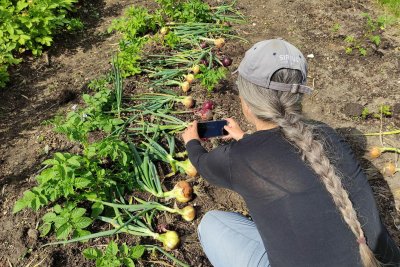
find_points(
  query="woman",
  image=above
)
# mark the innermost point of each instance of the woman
(310, 203)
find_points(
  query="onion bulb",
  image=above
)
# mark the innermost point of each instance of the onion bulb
(188, 101)
(389, 169)
(188, 167)
(226, 61)
(170, 239)
(375, 152)
(188, 213)
(206, 114)
(182, 192)
(185, 86)
(196, 69)
(219, 43)
(208, 104)
(204, 62)
(164, 30)
(189, 78)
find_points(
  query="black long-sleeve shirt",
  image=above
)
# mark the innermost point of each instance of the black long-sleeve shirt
(294, 213)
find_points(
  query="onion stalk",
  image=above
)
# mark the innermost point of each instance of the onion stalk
(159, 153)
(170, 239)
(188, 213)
(375, 151)
(159, 100)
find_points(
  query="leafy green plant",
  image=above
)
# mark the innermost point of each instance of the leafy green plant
(186, 11)
(114, 256)
(371, 34)
(66, 221)
(336, 27)
(78, 123)
(211, 77)
(29, 25)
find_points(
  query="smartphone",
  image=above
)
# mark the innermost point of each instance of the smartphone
(212, 128)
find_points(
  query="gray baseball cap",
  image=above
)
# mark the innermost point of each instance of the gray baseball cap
(266, 57)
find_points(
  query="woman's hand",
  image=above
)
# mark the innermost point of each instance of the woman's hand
(233, 130)
(190, 133)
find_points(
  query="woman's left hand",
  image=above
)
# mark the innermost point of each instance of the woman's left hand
(190, 133)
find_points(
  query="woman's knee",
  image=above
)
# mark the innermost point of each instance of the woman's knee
(208, 222)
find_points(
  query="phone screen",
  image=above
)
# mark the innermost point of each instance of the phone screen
(211, 128)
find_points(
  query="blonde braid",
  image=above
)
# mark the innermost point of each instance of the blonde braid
(284, 108)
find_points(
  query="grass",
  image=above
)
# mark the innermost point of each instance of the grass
(392, 5)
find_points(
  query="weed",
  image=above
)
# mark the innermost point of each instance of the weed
(371, 34)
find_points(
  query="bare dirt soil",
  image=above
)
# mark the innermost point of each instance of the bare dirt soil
(43, 87)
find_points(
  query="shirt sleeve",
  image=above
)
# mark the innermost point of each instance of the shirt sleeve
(214, 166)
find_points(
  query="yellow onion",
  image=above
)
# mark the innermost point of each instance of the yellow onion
(188, 168)
(219, 43)
(183, 191)
(375, 152)
(164, 30)
(196, 69)
(188, 213)
(188, 101)
(185, 86)
(189, 78)
(389, 169)
(170, 239)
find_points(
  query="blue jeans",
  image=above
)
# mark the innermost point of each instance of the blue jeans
(231, 240)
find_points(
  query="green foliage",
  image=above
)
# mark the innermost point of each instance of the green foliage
(29, 25)
(78, 123)
(336, 27)
(210, 77)
(134, 25)
(384, 111)
(186, 10)
(81, 177)
(66, 221)
(371, 34)
(365, 113)
(392, 5)
(115, 256)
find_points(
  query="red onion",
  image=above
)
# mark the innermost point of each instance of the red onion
(207, 105)
(204, 62)
(226, 61)
(206, 114)
(203, 45)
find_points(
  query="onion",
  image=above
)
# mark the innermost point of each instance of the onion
(208, 104)
(375, 152)
(219, 43)
(188, 102)
(389, 169)
(189, 78)
(206, 114)
(204, 62)
(188, 213)
(182, 192)
(196, 69)
(189, 168)
(226, 61)
(170, 239)
(185, 86)
(203, 45)
(164, 30)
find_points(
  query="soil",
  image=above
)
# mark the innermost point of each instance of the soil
(42, 87)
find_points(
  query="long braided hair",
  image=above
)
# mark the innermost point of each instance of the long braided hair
(284, 109)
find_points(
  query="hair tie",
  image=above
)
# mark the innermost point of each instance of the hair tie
(361, 240)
